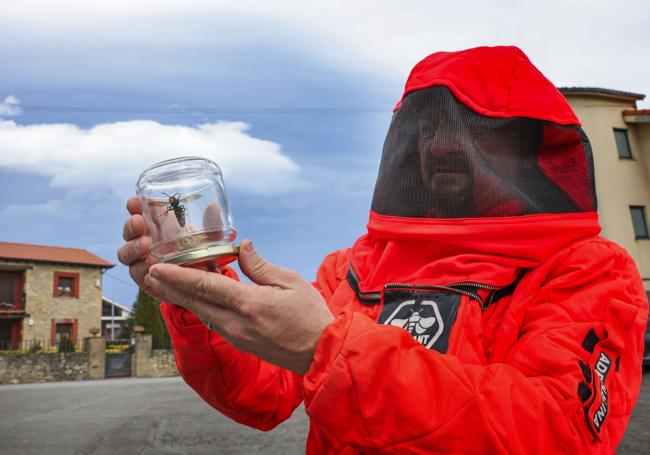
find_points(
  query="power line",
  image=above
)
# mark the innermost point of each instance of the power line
(119, 279)
(205, 110)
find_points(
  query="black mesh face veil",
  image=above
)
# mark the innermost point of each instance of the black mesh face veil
(443, 160)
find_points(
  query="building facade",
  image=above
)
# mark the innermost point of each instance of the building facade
(47, 293)
(114, 319)
(620, 139)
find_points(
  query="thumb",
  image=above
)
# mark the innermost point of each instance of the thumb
(261, 271)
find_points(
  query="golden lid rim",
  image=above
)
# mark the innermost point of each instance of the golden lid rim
(201, 254)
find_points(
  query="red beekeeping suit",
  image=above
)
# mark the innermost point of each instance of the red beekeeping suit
(481, 312)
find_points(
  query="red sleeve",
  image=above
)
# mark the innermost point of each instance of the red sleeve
(239, 385)
(378, 390)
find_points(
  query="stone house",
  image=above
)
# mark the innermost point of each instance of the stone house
(48, 292)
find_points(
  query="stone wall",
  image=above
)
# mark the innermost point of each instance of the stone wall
(64, 366)
(18, 368)
(163, 363)
(152, 363)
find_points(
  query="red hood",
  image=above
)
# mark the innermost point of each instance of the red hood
(497, 82)
(484, 250)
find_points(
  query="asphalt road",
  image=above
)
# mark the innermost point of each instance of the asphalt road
(637, 435)
(130, 416)
(163, 416)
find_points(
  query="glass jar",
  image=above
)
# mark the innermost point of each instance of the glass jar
(185, 206)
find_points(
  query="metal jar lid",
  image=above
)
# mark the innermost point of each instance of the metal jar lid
(216, 254)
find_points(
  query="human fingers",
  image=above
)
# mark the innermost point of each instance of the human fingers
(203, 309)
(208, 266)
(212, 217)
(139, 269)
(231, 325)
(203, 285)
(133, 250)
(134, 227)
(167, 223)
(212, 223)
(134, 206)
(263, 272)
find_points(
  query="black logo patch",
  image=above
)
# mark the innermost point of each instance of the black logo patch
(427, 316)
(601, 369)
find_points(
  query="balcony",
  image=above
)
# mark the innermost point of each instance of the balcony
(12, 296)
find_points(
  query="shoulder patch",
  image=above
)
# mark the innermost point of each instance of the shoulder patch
(599, 408)
(427, 316)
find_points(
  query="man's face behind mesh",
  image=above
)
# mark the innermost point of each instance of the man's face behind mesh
(443, 160)
(444, 164)
(456, 157)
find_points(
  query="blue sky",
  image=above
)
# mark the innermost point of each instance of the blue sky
(65, 173)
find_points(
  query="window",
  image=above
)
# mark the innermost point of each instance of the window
(10, 333)
(106, 309)
(6, 329)
(10, 291)
(110, 310)
(66, 284)
(622, 143)
(7, 294)
(639, 222)
(63, 328)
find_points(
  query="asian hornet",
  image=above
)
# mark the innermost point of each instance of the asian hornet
(176, 207)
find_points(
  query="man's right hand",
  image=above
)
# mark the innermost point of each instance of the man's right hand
(135, 253)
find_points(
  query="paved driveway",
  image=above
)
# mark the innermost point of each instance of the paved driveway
(163, 416)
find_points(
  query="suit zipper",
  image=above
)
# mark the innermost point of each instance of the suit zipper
(369, 296)
(460, 288)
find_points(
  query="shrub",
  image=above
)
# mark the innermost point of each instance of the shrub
(146, 313)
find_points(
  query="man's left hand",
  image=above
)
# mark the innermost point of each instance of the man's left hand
(278, 319)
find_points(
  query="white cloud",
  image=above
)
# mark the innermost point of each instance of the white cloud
(10, 107)
(109, 157)
(51, 207)
(575, 42)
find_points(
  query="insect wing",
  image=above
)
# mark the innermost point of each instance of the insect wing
(154, 203)
(190, 198)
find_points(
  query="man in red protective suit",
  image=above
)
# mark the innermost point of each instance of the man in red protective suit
(481, 313)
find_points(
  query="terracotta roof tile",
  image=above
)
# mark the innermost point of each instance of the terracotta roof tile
(41, 253)
(636, 112)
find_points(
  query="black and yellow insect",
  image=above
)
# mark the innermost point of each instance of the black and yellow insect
(176, 207)
(174, 204)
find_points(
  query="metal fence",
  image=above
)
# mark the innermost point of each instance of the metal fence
(40, 346)
(49, 346)
(161, 342)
